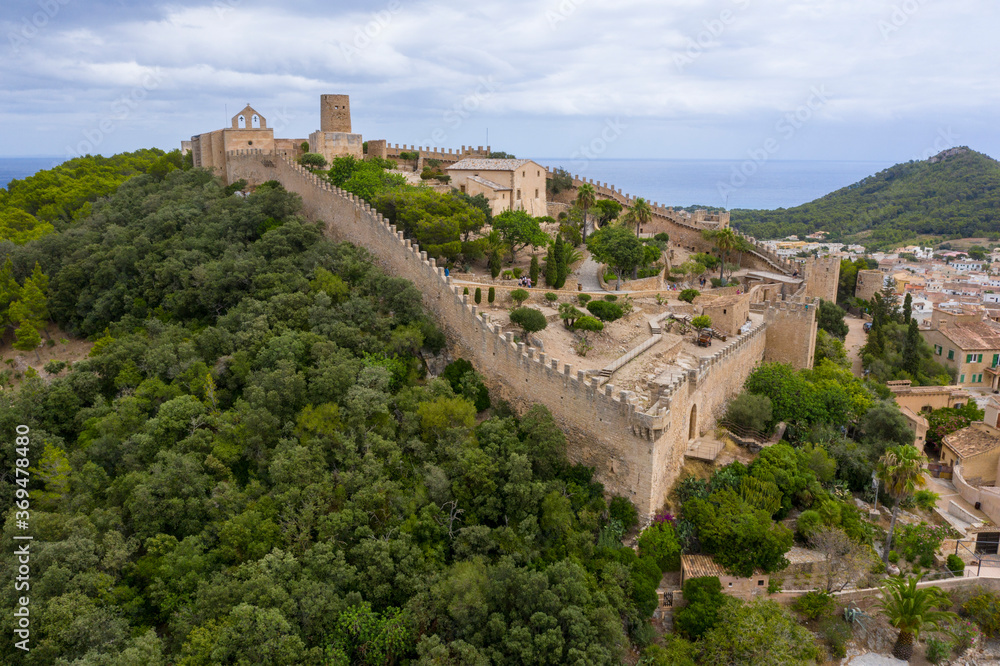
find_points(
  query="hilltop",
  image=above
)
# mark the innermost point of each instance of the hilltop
(954, 194)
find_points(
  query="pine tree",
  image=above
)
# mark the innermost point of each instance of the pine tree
(27, 337)
(10, 291)
(560, 259)
(551, 267)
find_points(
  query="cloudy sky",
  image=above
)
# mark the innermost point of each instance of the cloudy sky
(721, 79)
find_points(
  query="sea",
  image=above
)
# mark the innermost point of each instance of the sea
(725, 184)
(680, 183)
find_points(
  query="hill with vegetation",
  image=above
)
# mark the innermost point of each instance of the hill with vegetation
(955, 194)
(54, 198)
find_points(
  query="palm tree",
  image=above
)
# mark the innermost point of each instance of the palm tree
(585, 198)
(726, 240)
(901, 470)
(911, 609)
(641, 213)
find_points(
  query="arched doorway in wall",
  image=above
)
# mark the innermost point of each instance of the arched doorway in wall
(693, 424)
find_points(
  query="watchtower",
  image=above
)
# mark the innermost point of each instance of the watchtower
(335, 113)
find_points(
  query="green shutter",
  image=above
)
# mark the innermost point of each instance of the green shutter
(996, 360)
(961, 379)
(968, 358)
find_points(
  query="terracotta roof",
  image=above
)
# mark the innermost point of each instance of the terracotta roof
(696, 566)
(488, 183)
(977, 438)
(977, 335)
(472, 164)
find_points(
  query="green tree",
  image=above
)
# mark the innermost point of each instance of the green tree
(830, 318)
(529, 319)
(588, 325)
(642, 213)
(618, 248)
(569, 314)
(533, 270)
(585, 199)
(758, 632)
(313, 161)
(607, 210)
(479, 295)
(701, 322)
(519, 296)
(907, 308)
(659, 541)
(900, 469)
(725, 240)
(519, 230)
(688, 295)
(551, 267)
(911, 610)
(705, 600)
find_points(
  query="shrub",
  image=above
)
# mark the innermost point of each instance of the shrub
(937, 650)
(605, 311)
(704, 599)
(529, 319)
(749, 411)
(955, 564)
(584, 298)
(836, 633)
(984, 610)
(622, 510)
(662, 237)
(465, 291)
(659, 541)
(814, 604)
(550, 297)
(479, 296)
(893, 556)
(507, 275)
(313, 161)
(517, 271)
(702, 321)
(50, 343)
(610, 298)
(519, 296)
(688, 295)
(55, 367)
(588, 324)
(807, 524)
(926, 499)
(491, 295)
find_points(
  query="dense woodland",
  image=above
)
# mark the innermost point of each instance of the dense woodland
(253, 465)
(956, 197)
(250, 468)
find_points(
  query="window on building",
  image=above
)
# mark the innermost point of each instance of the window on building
(973, 358)
(519, 194)
(937, 349)
(760, 582)
(536, 192)
(951, 354)
(996, 360)
(976, 379)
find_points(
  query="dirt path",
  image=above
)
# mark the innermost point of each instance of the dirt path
(854, 342)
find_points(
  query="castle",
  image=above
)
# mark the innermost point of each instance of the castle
(636, 443)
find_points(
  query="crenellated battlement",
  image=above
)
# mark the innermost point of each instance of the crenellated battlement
(637, 451)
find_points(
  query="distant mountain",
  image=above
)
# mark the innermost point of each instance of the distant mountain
(954, 194)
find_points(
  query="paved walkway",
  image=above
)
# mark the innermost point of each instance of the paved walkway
(855, 340)
(586, 274)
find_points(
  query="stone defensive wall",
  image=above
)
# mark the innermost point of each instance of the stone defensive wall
(385, 150)
(685, 228)
(636, 452)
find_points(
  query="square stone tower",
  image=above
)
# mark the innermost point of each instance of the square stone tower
(335, 113)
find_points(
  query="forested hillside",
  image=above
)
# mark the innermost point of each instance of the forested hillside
(51, 199)
(251, 467)
(955, 194)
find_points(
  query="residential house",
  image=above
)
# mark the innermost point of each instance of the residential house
(509, 184)
(963, 341)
